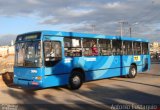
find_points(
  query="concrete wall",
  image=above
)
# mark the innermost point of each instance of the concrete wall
(6, 59)
(6, 50)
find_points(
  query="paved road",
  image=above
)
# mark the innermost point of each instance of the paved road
(144, 89)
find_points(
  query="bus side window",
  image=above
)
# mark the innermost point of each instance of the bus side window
(72, 47)
(90, 47)
(144, 48)
(52, 52)
(116, 47)
(127, 48)
(137, 48)
(105, 47)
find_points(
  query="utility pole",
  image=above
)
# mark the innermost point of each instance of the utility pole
(121, 26)
(130, 31)
(130, 28)
(93, 28)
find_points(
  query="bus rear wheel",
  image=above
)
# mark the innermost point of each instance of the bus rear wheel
(75, 80)
(132, 72)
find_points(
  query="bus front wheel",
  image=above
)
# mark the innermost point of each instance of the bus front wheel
(132, 72)
(75, 80)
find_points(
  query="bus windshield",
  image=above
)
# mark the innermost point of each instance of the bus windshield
(28, 54)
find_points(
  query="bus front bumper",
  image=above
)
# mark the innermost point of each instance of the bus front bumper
(27, 83)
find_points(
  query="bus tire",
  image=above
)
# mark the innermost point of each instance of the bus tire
(75, 80)
(132, 71)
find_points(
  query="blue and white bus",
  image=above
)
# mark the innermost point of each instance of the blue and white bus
(54, 58)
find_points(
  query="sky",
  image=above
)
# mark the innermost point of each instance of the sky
(87, 16)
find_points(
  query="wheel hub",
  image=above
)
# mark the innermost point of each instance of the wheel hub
(76, 80)
(133, 71)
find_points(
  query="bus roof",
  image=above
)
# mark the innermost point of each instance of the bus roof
(78, 35)
(86, 35)
(134, 39)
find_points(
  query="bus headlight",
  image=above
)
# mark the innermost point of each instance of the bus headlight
(38, 77)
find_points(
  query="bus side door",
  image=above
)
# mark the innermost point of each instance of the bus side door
(53, 55)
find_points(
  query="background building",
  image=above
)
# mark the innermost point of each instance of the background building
(154, 47)
(6, 58)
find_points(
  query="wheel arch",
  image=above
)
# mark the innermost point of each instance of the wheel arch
(81, 71)
(134, 64)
